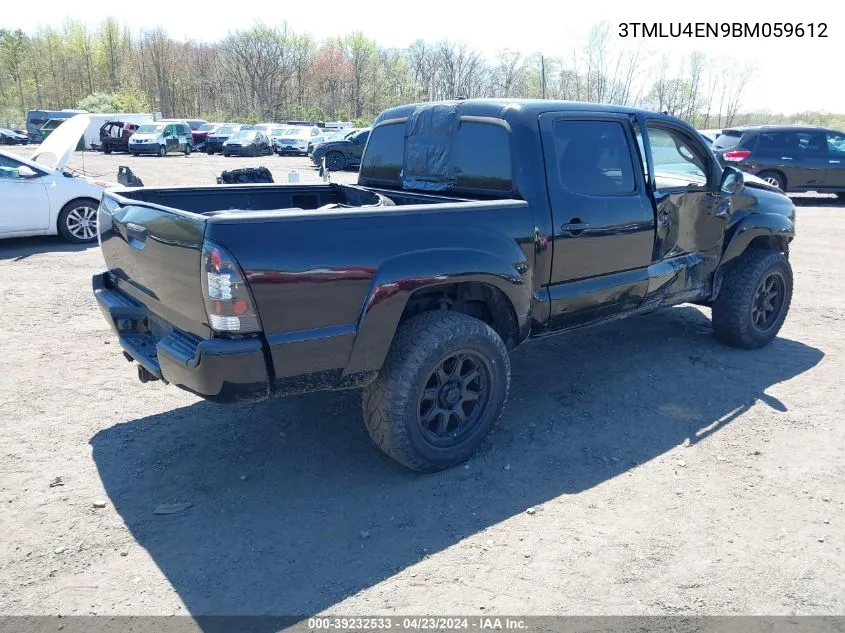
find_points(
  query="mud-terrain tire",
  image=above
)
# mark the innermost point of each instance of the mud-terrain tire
(443, 386)
(754, 299)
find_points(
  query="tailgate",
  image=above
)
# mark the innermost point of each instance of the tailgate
(153, 254)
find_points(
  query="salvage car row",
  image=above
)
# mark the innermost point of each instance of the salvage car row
(164, 137)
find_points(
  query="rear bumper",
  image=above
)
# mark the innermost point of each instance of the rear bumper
(221, 370)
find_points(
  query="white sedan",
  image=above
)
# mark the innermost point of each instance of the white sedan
(39, 199)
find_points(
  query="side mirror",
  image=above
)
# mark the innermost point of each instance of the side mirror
(732, 180)
(27, 172)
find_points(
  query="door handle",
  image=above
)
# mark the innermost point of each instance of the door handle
(786, 158)
(574, 227)
(834, 162)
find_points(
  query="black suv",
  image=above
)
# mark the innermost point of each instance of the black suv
(792, 157)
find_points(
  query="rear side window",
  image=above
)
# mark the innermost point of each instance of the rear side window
(385, 152)
(591, 158)
(480, 156)
(727, 139)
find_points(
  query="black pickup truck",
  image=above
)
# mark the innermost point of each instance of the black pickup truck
(475, 225)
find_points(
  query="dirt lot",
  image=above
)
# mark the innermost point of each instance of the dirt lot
(665, 473)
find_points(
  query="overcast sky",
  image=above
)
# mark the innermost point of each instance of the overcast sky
(792, 74)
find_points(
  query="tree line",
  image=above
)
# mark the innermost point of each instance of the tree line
(271, 73)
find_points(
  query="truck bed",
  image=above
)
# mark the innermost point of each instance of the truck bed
(254, 197)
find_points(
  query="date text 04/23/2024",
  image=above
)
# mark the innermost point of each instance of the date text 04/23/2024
(722, 29)
(425, 623)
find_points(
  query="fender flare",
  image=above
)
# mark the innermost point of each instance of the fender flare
(745, 232)
(753, 226)
(405, 274)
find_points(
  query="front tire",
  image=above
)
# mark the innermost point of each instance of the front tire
(187, 150)
(107, 150)
(162, 150)
(754, 299)
(443, 385)
(77, 221)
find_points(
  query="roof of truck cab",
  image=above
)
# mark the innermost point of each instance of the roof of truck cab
(515, 109)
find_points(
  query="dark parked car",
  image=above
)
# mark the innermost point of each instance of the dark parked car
(328, 136)
(791, 157)
(343, 153)
(114, 136)
(214, 141)
(475, 225)
(11, 137)
(248, 143)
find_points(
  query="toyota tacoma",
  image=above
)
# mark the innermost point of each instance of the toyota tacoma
(474, 226)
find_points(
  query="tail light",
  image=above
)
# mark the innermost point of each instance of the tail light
(736, 156)
(228, 301)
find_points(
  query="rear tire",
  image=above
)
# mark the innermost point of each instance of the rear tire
(773, 178)
(754, 299)
(187, 150)
(77, 221)
(107, 150)
(209, 151)
(441, 389)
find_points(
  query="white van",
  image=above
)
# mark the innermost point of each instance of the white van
(161, 138)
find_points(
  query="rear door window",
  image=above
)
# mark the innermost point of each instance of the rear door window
(771, 143)
(811, 143)
(591, 158)
(836, 144)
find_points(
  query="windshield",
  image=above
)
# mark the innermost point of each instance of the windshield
(279, 131)
(297, 132)
(226, 129)
(207, 127)
(149, 129)
(244, 135)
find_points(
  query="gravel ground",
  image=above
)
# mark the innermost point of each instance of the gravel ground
(640, 467)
